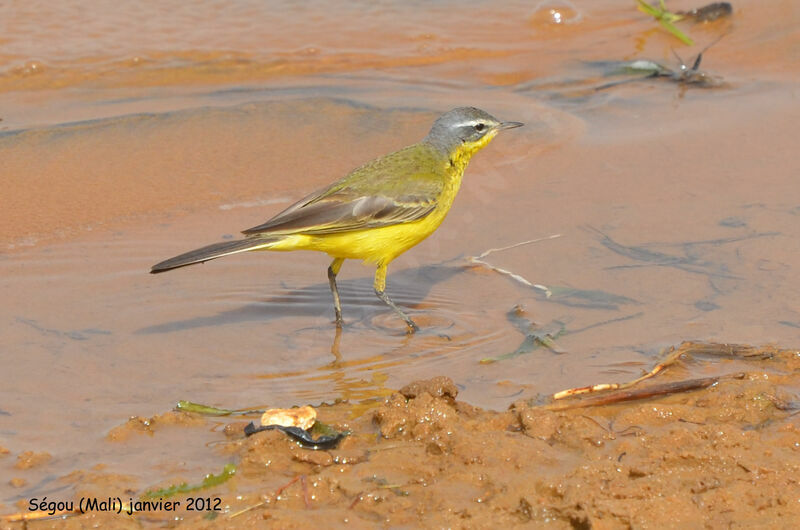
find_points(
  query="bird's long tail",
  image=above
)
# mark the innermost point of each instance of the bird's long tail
(217, 250)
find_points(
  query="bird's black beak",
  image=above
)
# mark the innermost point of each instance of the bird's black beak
(509, 125)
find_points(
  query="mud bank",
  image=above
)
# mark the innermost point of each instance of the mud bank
(723, 456)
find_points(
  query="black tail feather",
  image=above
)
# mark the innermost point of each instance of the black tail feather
(217, 250)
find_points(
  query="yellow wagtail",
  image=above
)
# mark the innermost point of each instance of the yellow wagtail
(378, 211)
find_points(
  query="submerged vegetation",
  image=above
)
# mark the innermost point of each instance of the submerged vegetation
(667, 18)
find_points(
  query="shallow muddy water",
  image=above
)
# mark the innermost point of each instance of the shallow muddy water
(677, 209)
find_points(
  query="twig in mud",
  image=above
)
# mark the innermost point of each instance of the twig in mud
(385, 447)
(274, 496)
(247, 509)
(37, 516)
(306, 498)
(627, 431)
(686, 348)
(478, 260)
(645, 393)
(286, 486)
(671, 358)
(356, 500)
(63, 514)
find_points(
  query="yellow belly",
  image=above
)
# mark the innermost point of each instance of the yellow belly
(373, 245)
(376, 245)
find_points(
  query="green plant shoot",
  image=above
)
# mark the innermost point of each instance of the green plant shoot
(665, 18)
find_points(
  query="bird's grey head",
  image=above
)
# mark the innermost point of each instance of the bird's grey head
(465, 125)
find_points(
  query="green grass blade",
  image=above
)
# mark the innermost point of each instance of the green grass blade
(678, 33)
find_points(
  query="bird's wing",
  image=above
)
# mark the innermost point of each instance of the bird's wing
(397, 188)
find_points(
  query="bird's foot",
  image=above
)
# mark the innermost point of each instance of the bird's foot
(412, 327)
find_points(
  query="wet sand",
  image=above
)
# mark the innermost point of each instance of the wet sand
(725, 456)
(681, 206)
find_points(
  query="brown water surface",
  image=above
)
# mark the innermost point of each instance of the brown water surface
(144, 136)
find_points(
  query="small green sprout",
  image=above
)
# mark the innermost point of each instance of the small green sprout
(665, 18)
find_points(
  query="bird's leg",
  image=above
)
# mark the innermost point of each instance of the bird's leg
(380, 288)
(333, 270)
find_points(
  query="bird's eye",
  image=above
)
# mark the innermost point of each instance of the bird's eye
(480, 127)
